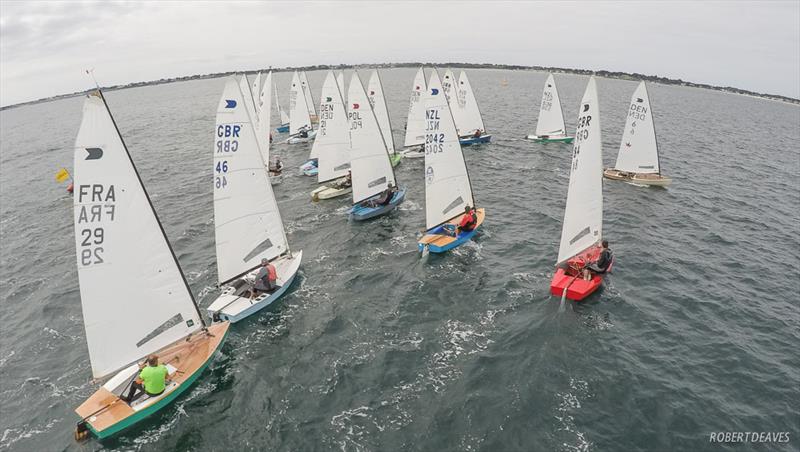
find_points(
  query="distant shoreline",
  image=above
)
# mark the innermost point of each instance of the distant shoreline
(601, 73)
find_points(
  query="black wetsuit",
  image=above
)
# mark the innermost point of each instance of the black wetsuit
(601, 266)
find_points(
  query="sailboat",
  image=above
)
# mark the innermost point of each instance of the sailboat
(300, 130)
(263, 124)
(447, 187)
(375, 190)
(332, 144)
(550, 126)
(638, 161)
(582, 230)
(378, 103)
(284, 124)
(413, 145)
(134, 295)
(247, 222)
(467, 114)
(312, 107)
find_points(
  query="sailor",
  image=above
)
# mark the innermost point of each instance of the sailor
(469, 220)
(602, 263)
(276, 167)
(265, 279)
(303, 132)
(152, 380)
(477, 133)
(347, 182)
(384, 199)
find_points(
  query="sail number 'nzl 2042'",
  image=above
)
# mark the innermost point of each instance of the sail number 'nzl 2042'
(434, 140)
(227, 142)
(96, 207)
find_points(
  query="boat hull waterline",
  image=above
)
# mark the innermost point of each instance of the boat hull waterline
(361, 213)
(655, 180)
(468, 141)
(437, 240)
(550, 139)
(330, 192)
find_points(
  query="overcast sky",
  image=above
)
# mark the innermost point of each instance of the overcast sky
(46, 46)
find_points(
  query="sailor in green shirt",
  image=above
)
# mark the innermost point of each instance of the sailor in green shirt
(152, 380)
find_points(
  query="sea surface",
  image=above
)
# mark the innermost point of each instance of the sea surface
(375, 348)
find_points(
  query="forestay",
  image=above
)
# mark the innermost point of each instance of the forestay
(583, 215)
(464, 107)
(447, 186)
(332, 143)
(247, 223)
(310, 105)
(298, 112)
(378, 103)
(134, 296)
(551, 119)
(638, 151)
(372, 170)
(415, 124)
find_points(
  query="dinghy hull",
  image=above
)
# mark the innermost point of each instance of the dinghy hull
(298, 140)
(467, 141)
(571, 278)
(416, 152)
(655, 180)
(395, 158)
(190, 356)
(235, 305)
(361, 213)
(310, 168)
(326, 192)
(437, 240)
(550, 139)
(283, 129)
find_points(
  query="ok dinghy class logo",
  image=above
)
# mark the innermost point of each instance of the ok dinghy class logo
(94, 153)
(429, 175)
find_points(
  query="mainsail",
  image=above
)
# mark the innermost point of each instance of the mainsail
(265, 118)
(332, 143)
(312, 107)
(638, 151)
(551, 119)
(284, 117)
(415, 124)
(464, 107)
(448, 82)
(372, 170)
(298, 112)
(134, 295)
(247, 223)
(447, 186)
(378, 102)
(583, 215)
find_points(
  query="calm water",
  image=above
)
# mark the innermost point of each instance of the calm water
(376, 349)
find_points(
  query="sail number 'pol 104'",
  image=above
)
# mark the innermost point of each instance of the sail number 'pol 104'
(96, 207)
(227, 141)
(434, 140)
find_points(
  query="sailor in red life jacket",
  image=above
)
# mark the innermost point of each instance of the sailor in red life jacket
(468, 221)
(265, 279)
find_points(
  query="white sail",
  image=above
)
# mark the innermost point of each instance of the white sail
(265, 118)
(638, 151)
(369, 161)
(249, 99)
(283, 116)
(312, 107)
(340, 82)
(464, 107)
(255, 88)
(298, 113)
(583, 215)
(448, 82)
(415, 124)
(447, 186)
(247, 223)
(378, 103)
(134, 296)
(332, 143)
(551, 119)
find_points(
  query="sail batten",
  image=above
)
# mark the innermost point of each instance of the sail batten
(551, 117)
(415, 124)
(125, 262)
(371, 168)
(332, 142)
(583, 214)
(638, 149)
(447, 185)
(246, 214)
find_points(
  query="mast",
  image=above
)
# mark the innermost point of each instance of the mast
(150, 202)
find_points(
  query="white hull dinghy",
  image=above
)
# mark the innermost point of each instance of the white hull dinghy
(247, 223)
(638, 159)
(332, 146)
(126, 264)
(466, 113)
(299, 119)
(414, 142)
(550, 126)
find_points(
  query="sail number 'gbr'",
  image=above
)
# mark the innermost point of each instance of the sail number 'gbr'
(581, 134)
(227, 141)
